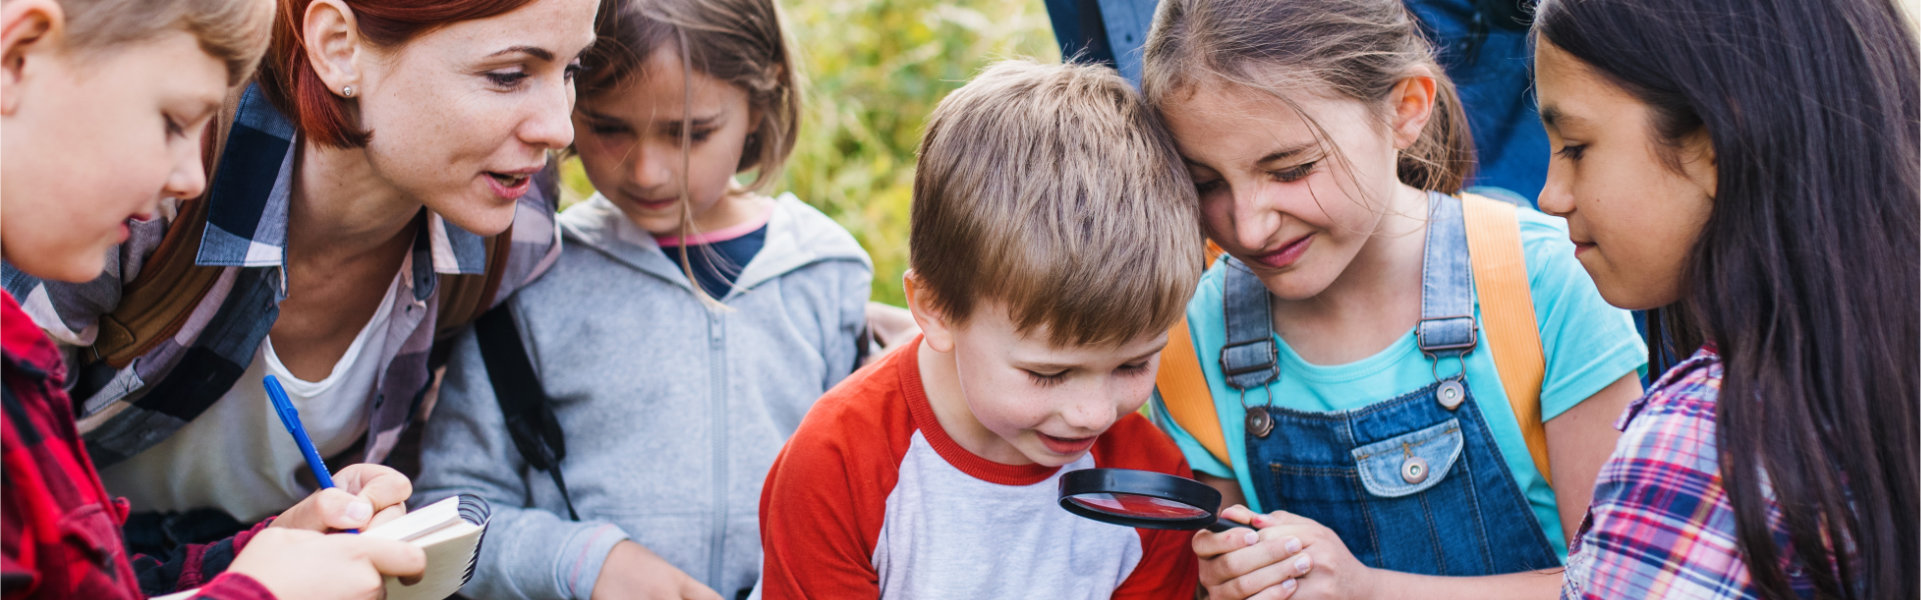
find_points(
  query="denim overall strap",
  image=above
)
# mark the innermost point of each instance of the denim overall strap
(1413, 483)
(1447, 328)
(1250, 359)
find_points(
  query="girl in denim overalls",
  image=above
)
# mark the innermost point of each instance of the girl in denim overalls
(1340, 335)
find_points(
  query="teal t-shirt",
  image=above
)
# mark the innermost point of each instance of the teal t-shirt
(1588, 345)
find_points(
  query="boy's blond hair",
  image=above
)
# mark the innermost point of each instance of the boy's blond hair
(232, 31)
(1053, 189)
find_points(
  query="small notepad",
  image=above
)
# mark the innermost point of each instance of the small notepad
(449, 531)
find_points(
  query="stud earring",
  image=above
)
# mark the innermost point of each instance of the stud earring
(347, 90)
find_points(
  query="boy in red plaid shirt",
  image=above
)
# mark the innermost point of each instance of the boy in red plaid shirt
(104, 104)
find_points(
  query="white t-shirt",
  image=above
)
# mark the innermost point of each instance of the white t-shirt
(237, 456)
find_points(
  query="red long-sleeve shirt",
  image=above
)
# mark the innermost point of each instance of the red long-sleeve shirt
(59, 530)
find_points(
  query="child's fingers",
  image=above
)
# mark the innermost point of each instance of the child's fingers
(1230, 540)
(1267, 552)
(1208, 544)
(1274, 580)
(1239, 514)
(325, 510)
(1280, 592)
(388, 514)
(390, 557)
(379, 484)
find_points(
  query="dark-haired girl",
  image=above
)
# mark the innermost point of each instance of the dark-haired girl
(1747, 169)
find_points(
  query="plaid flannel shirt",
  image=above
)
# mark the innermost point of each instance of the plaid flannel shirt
(127, 410)
(59, 530)
(1660, 525)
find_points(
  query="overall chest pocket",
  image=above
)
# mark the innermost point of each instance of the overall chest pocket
(1410, 463)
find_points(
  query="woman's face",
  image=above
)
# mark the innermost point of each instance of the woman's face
(1273, 193)
(1632, 216)
(463, 115)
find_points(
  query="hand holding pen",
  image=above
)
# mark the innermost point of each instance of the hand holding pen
(367, 494)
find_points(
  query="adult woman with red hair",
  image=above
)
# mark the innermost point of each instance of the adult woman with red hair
(373, 156)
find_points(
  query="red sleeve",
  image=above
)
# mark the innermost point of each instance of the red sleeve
(21, 526)
(233, 586)
(1168, 568)
(825, 498)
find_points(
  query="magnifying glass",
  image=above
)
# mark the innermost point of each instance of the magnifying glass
(1146, 499)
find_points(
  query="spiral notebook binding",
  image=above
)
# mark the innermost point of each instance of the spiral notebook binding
(474, 509)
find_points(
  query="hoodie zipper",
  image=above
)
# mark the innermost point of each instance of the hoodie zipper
(718, 400)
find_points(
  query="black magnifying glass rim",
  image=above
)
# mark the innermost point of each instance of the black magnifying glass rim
(1139, 483)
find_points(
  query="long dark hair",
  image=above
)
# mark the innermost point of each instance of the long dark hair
(1806, 274)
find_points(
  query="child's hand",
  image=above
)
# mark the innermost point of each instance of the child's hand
(633, 571)
(296, 563)
(365, 495)
(1276, 562)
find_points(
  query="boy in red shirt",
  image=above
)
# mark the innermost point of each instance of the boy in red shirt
(1054, 242)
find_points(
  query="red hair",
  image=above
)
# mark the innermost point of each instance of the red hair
(290, 83)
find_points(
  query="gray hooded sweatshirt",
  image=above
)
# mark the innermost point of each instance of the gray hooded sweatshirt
(673, 411)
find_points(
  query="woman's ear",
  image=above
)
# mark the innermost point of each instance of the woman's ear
(29, 30)
(933, 322)
(333, 43)
(1413, 102)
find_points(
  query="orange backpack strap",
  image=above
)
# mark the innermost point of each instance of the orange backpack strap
(1507, 314)
(1184, 392)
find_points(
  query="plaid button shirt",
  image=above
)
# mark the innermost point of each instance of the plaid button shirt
(125, 411)
(1660, 525)
(59, 530)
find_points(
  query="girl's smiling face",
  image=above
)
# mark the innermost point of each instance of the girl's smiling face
(630, 145)
(1297, 207)
(1634, 203)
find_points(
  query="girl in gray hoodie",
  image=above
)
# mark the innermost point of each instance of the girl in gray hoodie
(689, 324)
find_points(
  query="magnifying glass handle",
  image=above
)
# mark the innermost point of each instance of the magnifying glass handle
(1222, 524)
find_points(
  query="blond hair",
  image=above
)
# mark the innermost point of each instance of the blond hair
(1052, 189)
(1357, 49)
(233, 31)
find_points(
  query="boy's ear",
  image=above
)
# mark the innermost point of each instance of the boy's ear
(333, 42)
(1413, 103)
(27, 28)
(933, 323)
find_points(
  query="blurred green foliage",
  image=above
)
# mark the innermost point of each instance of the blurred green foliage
(875, 70)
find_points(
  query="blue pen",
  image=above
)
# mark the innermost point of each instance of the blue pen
(290, 417)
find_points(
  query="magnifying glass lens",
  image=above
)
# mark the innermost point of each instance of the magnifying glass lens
(1139, 507)
(1142, 499)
